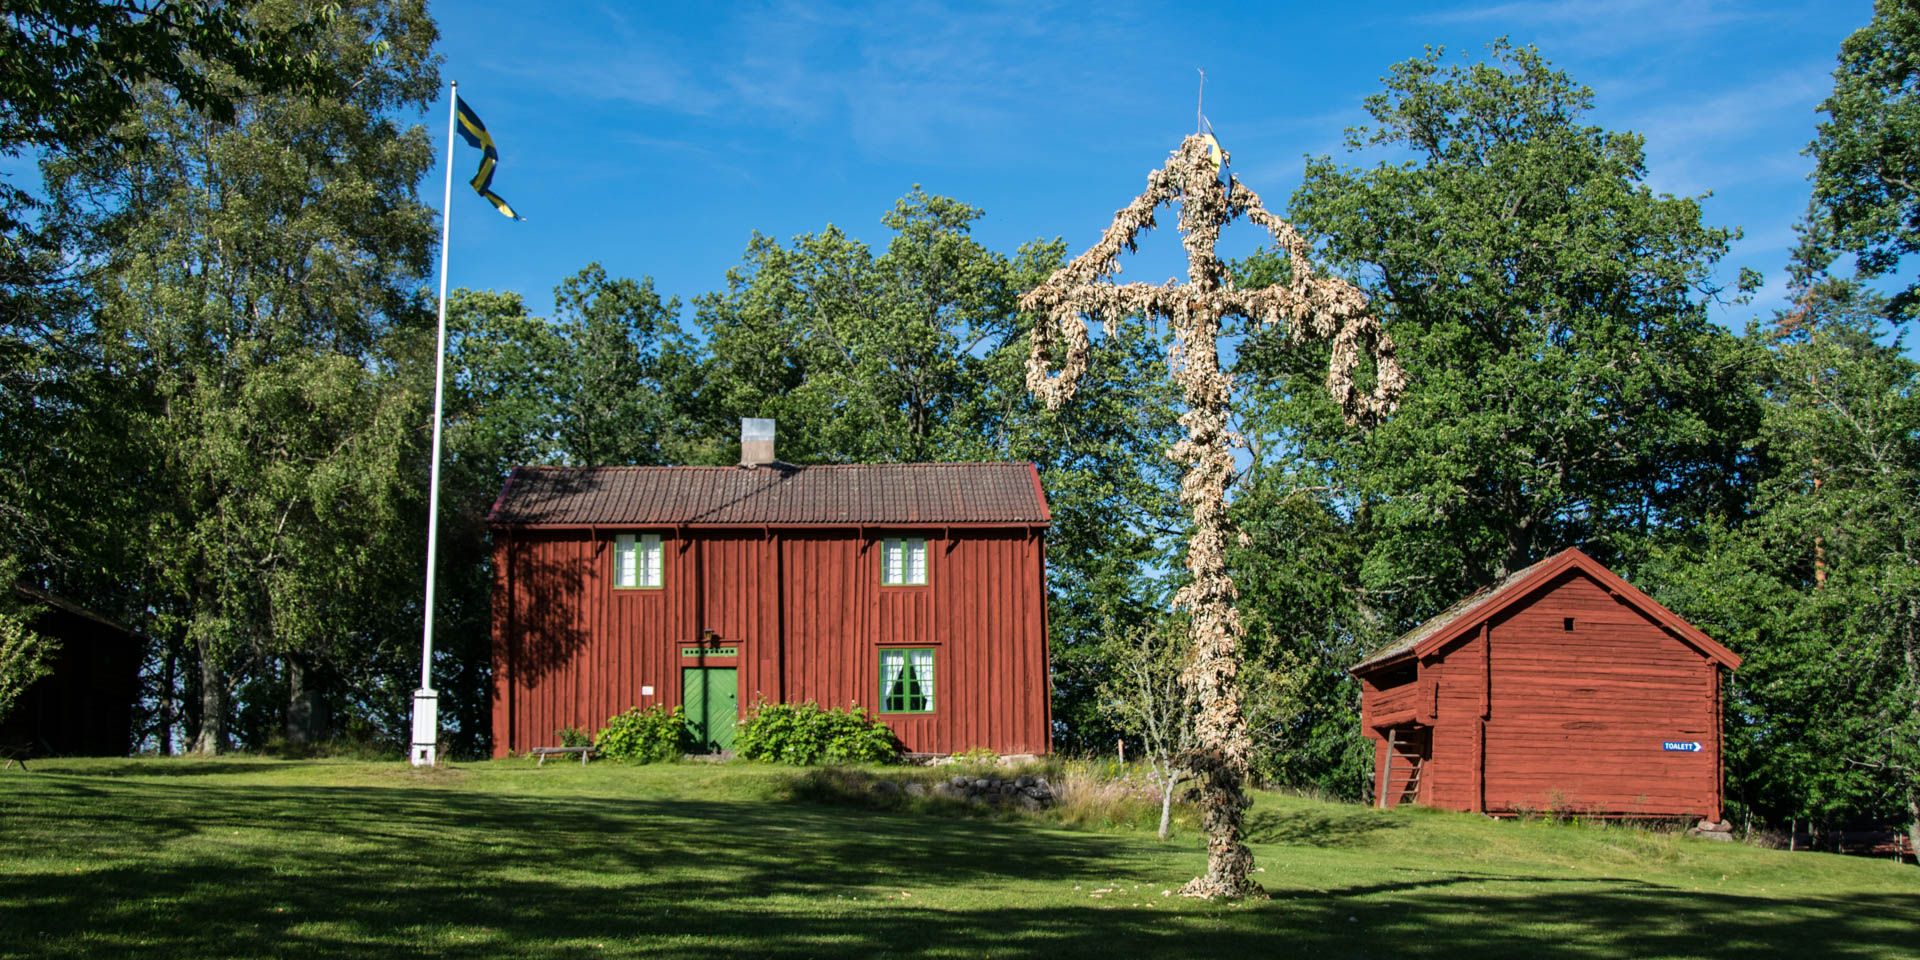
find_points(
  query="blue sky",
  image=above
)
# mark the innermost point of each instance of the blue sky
(656, 138)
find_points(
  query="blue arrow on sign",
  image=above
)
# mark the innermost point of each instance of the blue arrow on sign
(1680, 746)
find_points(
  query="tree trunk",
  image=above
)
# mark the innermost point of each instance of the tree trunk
(212, 736)
(1166, 806)
(167, 707)
(1518, 548)
(307, 719)
(1911, 652)
(1913, 820)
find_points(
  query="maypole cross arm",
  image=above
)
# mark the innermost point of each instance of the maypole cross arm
(1310, 304)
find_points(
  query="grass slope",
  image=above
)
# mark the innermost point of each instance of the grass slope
(261, 858)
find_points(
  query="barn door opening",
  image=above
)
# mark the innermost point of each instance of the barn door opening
(1408, 749)
(711, 696)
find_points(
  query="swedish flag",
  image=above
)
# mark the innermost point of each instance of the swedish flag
(475, 133)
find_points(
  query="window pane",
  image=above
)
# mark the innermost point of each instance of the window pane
(623, 561)
(891, 568)
(892, 696)
(650, 560)
(916, 561)
(922, 665)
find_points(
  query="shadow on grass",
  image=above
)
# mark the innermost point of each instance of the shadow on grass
(142, 767)
(376, 871)
(1317, 829)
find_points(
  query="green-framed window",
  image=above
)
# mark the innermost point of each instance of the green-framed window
(903, 561)
(638, 561)
(906, 680)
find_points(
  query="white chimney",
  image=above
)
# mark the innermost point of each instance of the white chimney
(756, 442)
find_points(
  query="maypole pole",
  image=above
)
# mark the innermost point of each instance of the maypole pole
(1311, 305)
(426, 702)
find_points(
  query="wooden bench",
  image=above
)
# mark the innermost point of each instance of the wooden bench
(13, 753)
(544, 752)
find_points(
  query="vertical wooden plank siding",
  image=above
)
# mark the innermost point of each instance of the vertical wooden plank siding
(806, 611)
(1719, 720)
(501, 620)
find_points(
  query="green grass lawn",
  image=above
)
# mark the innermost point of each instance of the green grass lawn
(250, 857)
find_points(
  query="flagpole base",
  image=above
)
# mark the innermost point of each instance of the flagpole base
(426, 728)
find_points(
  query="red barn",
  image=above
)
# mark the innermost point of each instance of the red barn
(917, 591)
(85, 706)
(1559, 688)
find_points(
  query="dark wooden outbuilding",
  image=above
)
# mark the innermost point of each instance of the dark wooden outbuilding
(917, 591)
(85, 706)
(1559, 688)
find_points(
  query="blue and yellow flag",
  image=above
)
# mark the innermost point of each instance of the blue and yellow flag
(475, 133)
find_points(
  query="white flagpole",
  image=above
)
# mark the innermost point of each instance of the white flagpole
(426, 705)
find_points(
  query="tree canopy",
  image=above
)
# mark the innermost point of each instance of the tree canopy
(1866, 182)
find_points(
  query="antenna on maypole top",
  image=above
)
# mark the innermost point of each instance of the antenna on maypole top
(1199, 104)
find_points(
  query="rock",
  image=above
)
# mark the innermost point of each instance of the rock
(949, 791)
(982, 784)
(1712, 835)
(960, 781)
(1023, 782)
(1029, 803)
(916, 789)
(885, 791)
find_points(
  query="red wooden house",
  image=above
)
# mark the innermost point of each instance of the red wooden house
(917, 591)
(84, 707)
(1559, 688)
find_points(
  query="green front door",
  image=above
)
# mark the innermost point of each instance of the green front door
(712, 698)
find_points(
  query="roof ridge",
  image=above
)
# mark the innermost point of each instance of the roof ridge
(1454, 612)
(1486, 602)
(794, 466)
(938, 492)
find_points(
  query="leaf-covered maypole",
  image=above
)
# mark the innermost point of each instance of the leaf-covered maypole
(1311, 305)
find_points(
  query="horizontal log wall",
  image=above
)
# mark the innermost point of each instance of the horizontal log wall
(1530, 716)
(806, 613)
(1578, 717)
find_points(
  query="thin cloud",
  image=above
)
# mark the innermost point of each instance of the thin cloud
(912, 78)
(1668, 14)
(1604, 27)
(1696, 146)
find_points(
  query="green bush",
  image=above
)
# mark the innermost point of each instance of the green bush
(645, 736)
(572, 737)
(806, 733)
(980, 756)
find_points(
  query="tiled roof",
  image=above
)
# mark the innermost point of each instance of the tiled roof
(779, 493)
(1484, 597)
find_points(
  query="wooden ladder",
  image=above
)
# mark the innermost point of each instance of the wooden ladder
(1411, 782)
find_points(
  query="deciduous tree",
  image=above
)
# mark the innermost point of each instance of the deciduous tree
(1866, 182)
(1820, 588)
(254, 284)
(1570, 388)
